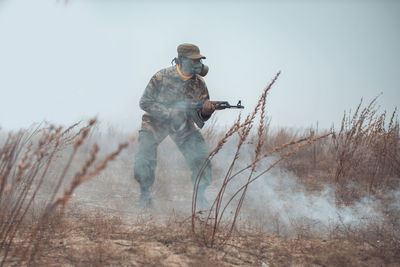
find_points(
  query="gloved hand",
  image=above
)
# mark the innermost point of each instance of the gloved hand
(177, 119)
(208, 108)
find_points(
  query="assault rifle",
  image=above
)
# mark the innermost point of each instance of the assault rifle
(193, 108)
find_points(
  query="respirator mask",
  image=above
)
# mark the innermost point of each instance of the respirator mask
(196, 67)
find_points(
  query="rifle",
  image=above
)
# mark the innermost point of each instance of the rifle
(193, 108)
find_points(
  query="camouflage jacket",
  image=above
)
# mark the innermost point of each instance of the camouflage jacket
(165, 88)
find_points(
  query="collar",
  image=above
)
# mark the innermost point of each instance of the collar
(183, 76)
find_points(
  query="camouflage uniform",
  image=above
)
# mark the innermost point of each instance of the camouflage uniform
(165, 88)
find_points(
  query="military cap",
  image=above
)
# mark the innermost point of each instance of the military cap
(190, 51)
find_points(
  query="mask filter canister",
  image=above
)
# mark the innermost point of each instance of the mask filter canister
(204, 70)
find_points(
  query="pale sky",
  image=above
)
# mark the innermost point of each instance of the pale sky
(63, 63)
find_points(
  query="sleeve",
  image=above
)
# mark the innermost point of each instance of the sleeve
(148, 101)
(203, 97)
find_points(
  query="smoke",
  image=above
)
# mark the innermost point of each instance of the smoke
(280, 199)
(275, 203)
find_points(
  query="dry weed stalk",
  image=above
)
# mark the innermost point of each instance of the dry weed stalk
(210, 230)
(21, 181)
(23, 174)
(366, 151)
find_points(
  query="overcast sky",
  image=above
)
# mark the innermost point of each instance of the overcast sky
(65, 62)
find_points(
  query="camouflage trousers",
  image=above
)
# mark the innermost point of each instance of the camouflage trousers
(193, 148)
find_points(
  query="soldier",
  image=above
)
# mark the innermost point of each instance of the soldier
(181, 82)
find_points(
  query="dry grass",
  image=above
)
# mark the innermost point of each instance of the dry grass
(26, 158)
(92, 238)
(213, 229)
(45, 168)
(361, 157)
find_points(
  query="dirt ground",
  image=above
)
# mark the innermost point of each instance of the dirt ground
(102, 226)
(92, 237)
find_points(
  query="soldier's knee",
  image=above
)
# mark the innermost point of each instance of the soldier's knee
(144, 170)
(144, 165)
(146, 157)
(147, 152)
(147, 142)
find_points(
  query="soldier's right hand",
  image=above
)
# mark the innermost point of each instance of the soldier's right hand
(208, 108)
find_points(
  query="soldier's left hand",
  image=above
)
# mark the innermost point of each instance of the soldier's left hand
(208, 108)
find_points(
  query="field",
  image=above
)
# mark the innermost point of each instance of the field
(279, 197)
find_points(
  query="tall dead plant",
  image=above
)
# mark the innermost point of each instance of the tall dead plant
(25, 160)
(214, 227)
(367, 152)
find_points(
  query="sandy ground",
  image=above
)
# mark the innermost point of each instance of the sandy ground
(103, 226)
(90, 237)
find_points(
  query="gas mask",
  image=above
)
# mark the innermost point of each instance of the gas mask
(194, 68)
